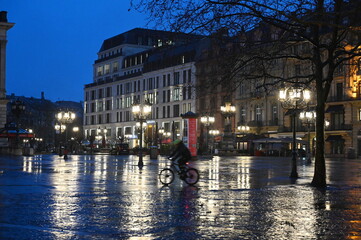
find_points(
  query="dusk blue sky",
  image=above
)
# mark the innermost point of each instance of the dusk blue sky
(54, 43)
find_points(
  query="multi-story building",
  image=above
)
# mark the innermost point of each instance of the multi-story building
(180, 73)
(261, 109)
(136, 66)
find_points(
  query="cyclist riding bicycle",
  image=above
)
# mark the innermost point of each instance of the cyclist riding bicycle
(181, 155)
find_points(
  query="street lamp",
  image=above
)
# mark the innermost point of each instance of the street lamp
(228, 110)
(207, 121)
(214, 133)
(308, 117)
(294, 98)
(102, 135)
(161, 132)
(65, 117)
(59, 128)
(243, 129)
(141, 112)
(17, 108)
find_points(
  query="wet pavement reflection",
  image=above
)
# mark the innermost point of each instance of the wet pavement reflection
(109, 197)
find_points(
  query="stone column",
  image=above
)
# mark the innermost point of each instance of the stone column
(4, 27)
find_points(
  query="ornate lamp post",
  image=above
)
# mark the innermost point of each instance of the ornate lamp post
(65, 117)
(161, 132)
(214, 133)
(294, 98)
(207, 121)
(17, 108)
(228, 110)
(243, 129)
(102, 135)
(141, 112)
(308, 117)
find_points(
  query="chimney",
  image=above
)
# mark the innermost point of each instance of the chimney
(3, 16)
(42, 96)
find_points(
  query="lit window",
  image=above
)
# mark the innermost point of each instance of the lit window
(100, 71)
(176, 94)
(107, 68)
(115, 66)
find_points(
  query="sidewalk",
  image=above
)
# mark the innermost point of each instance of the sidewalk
(109, 197)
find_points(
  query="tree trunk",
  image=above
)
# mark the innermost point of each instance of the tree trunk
(319, 178)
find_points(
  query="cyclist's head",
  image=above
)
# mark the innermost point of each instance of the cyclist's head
(177, 141)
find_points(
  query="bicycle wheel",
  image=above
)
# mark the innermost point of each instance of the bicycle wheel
(191, 176)
(166, 176)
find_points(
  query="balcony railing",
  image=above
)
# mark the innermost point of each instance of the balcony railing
(339, 127)
(342, 98)
(255, 123)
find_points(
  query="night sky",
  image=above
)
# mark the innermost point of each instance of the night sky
(54, 43)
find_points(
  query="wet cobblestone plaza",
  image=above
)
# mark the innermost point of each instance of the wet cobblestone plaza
(109, 197)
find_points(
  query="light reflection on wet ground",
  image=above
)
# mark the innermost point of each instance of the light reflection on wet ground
(109, 197)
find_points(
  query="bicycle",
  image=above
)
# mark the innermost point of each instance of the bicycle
(187, 174)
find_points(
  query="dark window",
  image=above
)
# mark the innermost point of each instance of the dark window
(184, 93)
(164, 81)
(339, 91)
(168, 96)
(176, 78)
(176, 110)
(108, 105)
(93, 107)
(109, 91)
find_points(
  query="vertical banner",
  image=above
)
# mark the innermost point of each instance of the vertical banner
(192, 136)
(190, 132)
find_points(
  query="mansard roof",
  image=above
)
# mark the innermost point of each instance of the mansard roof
(146, 37)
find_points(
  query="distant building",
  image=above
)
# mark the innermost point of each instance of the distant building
(39, 116)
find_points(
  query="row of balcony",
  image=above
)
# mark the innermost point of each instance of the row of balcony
(337, 98)
(299, 128)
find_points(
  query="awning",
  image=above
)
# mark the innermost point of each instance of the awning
(249, 137)
(278, 140)
(11, 133)
(334, 138)
(335, 108)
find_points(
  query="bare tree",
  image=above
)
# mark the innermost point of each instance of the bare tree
(329, 28)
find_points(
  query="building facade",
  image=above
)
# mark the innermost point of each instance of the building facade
(178, 74)
(137, 66)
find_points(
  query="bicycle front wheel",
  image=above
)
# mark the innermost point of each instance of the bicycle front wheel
(166, 176)
(191, 176)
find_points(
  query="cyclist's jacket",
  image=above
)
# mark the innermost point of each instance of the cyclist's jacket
(182, 151)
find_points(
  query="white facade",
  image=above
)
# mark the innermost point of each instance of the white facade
(119, 81)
